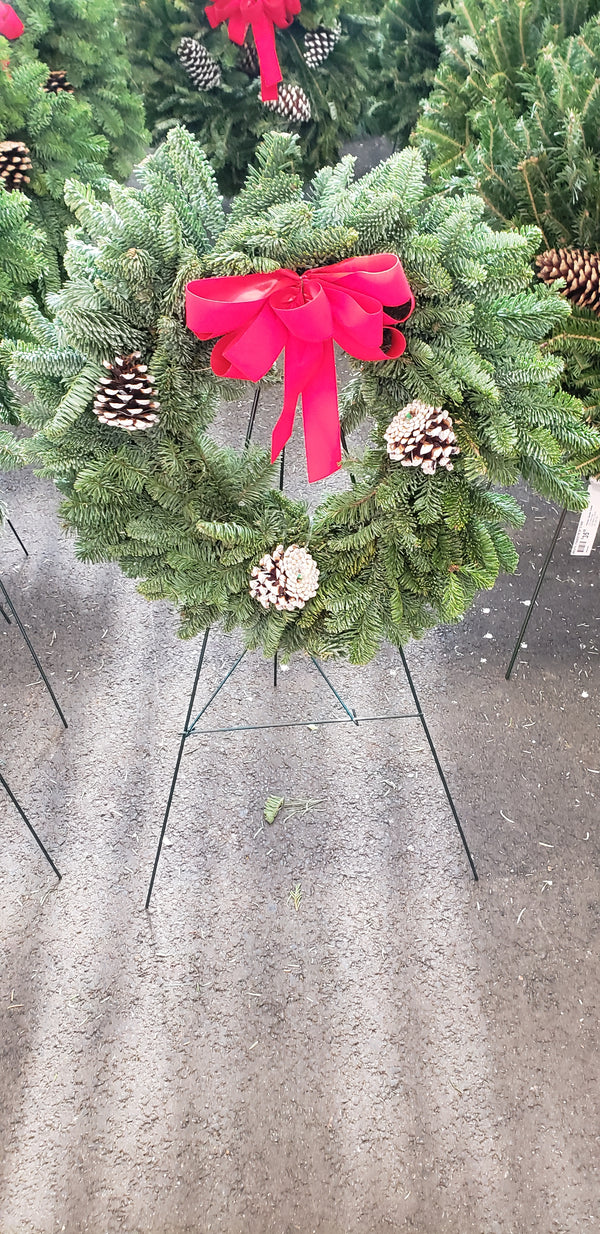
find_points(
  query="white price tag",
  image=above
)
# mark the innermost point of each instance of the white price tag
(588, 523)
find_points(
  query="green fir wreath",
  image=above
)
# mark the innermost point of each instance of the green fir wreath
(401, 548)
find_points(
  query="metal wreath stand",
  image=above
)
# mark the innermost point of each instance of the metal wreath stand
(538, 588)
(4, 612)
(190, 728)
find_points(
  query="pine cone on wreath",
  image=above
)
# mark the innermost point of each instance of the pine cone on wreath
(286, 578)
(581, 271)
(292, 103)
(14, 164)
(249, 62)
(200, 66)
(319, 44)
(57, 83)
(127, 399)
(422, 436)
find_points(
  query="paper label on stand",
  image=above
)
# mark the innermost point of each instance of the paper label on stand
(588, 523)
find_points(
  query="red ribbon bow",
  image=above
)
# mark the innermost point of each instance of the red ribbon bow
(11, 25)
(261, 314)
(261, 16)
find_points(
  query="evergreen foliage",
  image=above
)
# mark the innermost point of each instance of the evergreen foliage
(516, 112)
(404, 64)
(59, 133)
(21, 253)
(83, 38)
(21, 249)
(230, 119)
(397, 551)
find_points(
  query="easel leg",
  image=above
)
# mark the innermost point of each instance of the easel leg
(30, 828)
(33, 652)
(17, 536)
(541, 577)
(351, 714)
(436, 760)
(281, 477)
(184, 736)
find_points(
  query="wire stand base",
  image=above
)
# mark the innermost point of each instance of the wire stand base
(30, 827)
(191, 728)
(538, 587)
(349, 717)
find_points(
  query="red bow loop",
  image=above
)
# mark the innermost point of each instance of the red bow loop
(11, 25)
(261, 315)
(261, 16)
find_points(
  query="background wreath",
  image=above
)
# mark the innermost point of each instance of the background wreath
(193, 74)
(400, 548)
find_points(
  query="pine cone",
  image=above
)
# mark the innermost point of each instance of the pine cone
(57, 83)
(318, 44)
(581, 271)
(249, 60)
(291, 103)
(14, 164)
(422, 436)
(200, 66)
(127, 398)
(286, 579)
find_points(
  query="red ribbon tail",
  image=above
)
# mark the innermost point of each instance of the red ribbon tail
(322, 436)
(263, 30)
(320, 413)
(292, 385)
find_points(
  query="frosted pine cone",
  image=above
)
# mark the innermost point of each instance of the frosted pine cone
(249, 62)
(319, 44)
(580, 270)
(422, 436)
(15, 163)
(200, 66)
(127, 399)
(292, 103)
(286, 578)
(57, 83)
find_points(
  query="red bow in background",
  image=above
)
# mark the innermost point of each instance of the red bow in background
(11, 25)
(260, 315)
(261, 16)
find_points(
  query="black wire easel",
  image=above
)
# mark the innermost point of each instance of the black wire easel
(21, 627)
(30, 826)
(538, 588)
(190, 727)
(12, 610)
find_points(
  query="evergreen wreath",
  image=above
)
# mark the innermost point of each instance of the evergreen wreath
(21, 257)
(403, 64)
(82, 39)
(44, 137)
(57, 133)
(206, 527)
(21, 260)
(192, 74)
(515, 114)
